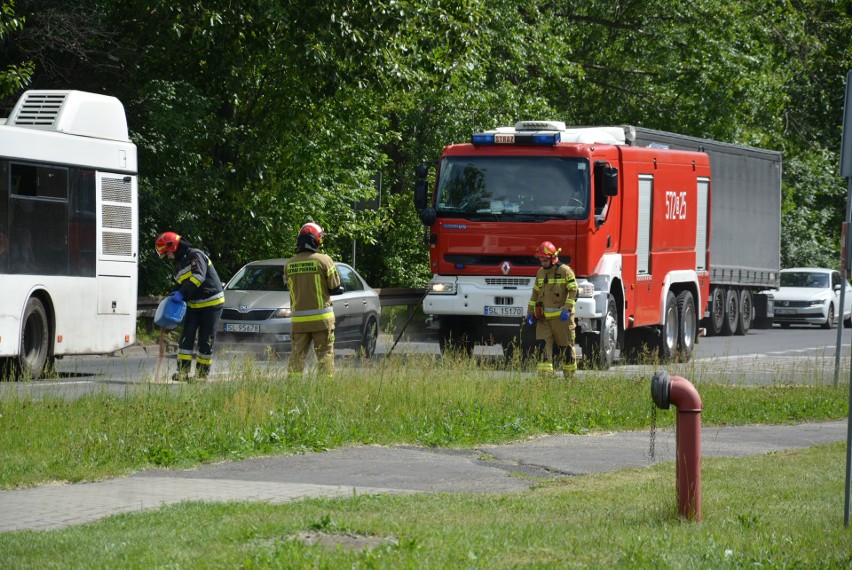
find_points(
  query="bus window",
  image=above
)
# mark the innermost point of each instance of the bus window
(38, 221)
(82, 223)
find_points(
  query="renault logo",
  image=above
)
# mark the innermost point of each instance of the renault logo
(506, 267)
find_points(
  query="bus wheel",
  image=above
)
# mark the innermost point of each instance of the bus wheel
(35, 341)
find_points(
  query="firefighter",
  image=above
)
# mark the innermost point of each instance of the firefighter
(551, 307)
(198, 284)
(312, 278)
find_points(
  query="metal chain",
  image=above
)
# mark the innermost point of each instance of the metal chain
(653, 430)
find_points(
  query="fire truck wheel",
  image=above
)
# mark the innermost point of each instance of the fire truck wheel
(746, 310)
(35, 341)
(687, 325)
(599, 349)
(669, 330)
(732, 312)
(717, 314)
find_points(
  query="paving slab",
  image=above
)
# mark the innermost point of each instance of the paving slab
(376, 469)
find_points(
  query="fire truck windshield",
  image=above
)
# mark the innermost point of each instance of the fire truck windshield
(519, 188)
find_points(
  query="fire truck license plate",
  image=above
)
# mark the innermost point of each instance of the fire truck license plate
(241, 328)
(503, 311)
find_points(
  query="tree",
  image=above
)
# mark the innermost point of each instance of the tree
(13, 76)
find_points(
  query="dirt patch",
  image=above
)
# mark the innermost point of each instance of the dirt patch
(347, 540)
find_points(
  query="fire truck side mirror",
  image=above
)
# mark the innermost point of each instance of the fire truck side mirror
(421, 191)
(421, 187)
(610, 181)
(428, 216)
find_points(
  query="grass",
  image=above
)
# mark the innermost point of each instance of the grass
(452, 402)
(782, 510)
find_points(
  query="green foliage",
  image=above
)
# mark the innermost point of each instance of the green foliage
(13, 76)
(252, 118)
(812, 210)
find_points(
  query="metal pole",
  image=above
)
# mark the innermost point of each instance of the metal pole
(846, 172)
(844, 256)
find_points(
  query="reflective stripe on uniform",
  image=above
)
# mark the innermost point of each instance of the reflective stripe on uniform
(325, 313)
(212, 301)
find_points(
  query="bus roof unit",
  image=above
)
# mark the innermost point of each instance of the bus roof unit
(71, 112)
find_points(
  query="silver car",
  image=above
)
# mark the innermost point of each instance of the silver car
(256, 317)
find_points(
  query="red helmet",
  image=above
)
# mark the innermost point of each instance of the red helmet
(315, 230)
(546, 250)
(167, 241)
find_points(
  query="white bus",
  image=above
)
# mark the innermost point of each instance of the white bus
(68, 230)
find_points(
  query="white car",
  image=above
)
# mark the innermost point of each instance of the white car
(811, 296)
(256, 317)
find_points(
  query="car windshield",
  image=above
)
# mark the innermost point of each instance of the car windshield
(259, 278)
(513, 188)
(804, 279)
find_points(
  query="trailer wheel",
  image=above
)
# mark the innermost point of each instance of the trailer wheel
(717, 314)
(35, 341)
(746, 310)
(732, 312)
(669, 333)
(687, 325)
(599, 348)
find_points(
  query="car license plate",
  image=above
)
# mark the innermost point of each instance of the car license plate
(785, 311)
(241, 328)
(491, 311)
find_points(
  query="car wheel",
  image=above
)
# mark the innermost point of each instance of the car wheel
(829, 321)
(847, 322)
(370, 338)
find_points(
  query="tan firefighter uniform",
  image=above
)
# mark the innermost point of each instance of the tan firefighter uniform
(555, 289)
(310, 277)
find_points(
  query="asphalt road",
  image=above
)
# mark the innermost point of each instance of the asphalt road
(764, 356)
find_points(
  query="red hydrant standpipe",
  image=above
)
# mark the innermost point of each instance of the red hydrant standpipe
(667, 389)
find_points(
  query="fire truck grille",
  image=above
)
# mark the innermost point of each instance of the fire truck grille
(508, 281)
(492, 260)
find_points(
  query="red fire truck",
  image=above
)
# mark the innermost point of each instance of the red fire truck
(633, 223)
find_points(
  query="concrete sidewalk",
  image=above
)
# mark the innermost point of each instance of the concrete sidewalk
(373, 469)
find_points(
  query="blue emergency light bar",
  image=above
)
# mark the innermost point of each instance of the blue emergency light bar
(516, 138)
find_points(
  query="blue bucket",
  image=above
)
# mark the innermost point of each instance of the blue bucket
(169, 313)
